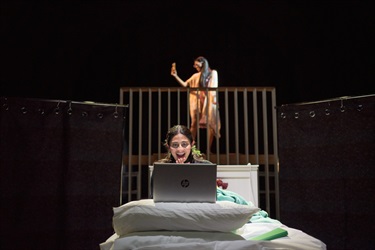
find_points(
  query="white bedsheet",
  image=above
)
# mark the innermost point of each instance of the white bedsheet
(182, 240)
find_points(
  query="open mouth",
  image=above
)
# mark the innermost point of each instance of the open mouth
(180, 155)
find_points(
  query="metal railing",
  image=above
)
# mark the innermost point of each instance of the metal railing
(248, 134)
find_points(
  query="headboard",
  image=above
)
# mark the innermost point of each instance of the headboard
(241, 179)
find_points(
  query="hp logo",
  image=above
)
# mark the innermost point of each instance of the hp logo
(185, 183)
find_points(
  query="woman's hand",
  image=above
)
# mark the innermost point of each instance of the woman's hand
(174, 73)
(174, 70)
(181, 160)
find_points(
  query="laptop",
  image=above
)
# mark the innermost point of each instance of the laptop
(173, 182)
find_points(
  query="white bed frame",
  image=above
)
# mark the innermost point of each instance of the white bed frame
(241, 179)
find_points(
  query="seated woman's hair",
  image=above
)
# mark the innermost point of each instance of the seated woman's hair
(175, 130)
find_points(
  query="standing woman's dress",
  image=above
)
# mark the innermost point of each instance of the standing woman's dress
(198, 102)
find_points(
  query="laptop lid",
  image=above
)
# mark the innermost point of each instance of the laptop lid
(194, 182)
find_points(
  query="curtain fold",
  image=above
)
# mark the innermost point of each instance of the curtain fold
(60, 172)
(327, 174)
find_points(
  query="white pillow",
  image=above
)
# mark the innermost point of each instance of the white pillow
(145, 215)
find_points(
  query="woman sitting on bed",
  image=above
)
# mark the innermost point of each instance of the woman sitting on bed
(181, 149)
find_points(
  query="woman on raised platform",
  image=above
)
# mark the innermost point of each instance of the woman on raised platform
(202, 104)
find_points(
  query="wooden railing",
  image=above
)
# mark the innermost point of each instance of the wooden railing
(248, 134)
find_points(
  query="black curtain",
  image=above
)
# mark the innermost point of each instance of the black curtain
(327, 170)
(60, 172)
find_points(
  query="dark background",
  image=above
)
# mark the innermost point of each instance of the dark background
(87, 50)
(327, 171)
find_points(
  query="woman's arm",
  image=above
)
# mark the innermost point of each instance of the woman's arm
(179, 80)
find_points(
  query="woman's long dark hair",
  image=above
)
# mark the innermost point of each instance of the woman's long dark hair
(205, 72)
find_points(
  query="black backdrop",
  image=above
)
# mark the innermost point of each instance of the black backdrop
(327, 174)
(60, 173)
(86, 50)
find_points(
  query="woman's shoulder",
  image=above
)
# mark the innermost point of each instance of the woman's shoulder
(194, 77)
(163, 161)
(202, 161)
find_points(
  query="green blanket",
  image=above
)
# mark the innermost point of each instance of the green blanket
(226, 195)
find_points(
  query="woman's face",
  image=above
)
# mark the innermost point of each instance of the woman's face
(180, 148)
(197, 65)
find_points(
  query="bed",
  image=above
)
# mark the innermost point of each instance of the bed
(144, 224)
